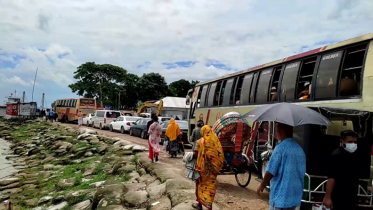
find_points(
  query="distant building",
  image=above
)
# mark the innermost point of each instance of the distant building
(173, 106)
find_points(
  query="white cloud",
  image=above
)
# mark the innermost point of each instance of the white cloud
(238, 33)
(15, 80)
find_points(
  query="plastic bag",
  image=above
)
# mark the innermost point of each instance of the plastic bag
(165, 145)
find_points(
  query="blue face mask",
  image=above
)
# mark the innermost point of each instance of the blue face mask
(351, 147)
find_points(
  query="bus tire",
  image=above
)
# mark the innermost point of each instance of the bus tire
(122, 130)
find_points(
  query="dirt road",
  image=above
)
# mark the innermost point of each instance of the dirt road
(229, 194)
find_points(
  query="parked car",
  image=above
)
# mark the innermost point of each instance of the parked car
(145, 115)
(183, 128)
(162, 119)
(88, 119)
(138, 128)
(103, 118)
(123, 123)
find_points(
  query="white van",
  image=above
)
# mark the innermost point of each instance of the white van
(103, 118)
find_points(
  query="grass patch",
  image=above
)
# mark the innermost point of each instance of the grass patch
(135, 159)
(80, 145)
(99, 168)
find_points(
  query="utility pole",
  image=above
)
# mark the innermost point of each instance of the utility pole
(119, 101)
(42, 102)
(24, 97)
(101, 98)
(33, 87)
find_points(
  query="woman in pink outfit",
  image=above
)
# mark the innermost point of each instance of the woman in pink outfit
(155, 132)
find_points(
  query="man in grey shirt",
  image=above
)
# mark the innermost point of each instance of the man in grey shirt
(196, 134)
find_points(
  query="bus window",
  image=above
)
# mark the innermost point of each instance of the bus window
(263, 86)
(274, 85)
(216, 94)
(222, 91)
(253, 88)
(327, 75)
(70, 103)
(245, 92)
(212, 94)
(351, 71)
(305, 78)
(229, 89)
(203, 96)
(289, 80)
(64, 103)
(74, 103)
(237, 95)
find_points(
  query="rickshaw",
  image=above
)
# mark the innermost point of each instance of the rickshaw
(318, 142)
(234, 134)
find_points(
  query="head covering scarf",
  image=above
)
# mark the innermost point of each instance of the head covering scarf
(209, 163)
(173, 130)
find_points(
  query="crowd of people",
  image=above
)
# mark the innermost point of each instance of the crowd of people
(285, 171)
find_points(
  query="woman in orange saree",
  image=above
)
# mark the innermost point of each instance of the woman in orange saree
(209, 162)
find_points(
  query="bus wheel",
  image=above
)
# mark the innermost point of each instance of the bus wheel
(122, 130)
(111, 128)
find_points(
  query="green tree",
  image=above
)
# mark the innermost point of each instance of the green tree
(193, 84)
(130, 98)
(179, 88)
(152, 86)
(104, 82)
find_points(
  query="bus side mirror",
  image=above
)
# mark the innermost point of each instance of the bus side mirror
(187, 100)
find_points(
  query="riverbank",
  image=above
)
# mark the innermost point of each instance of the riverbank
(63, 168)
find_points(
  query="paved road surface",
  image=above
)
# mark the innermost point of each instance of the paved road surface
(229, 194)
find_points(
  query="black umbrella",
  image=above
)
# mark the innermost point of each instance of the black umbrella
(287, 113)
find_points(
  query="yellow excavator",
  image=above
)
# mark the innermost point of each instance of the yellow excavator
(148, 104)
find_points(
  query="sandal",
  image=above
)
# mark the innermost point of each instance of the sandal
(196, 206)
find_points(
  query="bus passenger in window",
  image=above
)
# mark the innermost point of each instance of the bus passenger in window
(349, 87)
(273, 94)
(305, 93)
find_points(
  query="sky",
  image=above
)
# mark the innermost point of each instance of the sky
(193, 40)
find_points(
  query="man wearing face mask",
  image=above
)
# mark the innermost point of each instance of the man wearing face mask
(343, 179)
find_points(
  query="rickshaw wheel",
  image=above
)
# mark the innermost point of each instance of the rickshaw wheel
(243, 177)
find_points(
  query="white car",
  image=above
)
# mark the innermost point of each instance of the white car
(162, 119)
(123, 123)
(103, 118)
(88, 119)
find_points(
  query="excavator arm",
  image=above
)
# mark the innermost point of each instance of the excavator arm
(151, 104)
